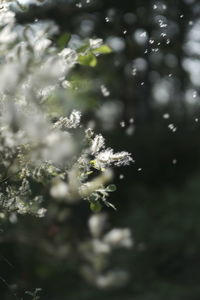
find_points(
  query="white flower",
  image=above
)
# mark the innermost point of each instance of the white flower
(100, 247)
(97, 143)
(41, 212)
(72, 122)
(95, 43)
(119, 238)
(107, 157)
(6, 16)
(59, 190)
(50, 71)
(41, 46)
(69, 55)
(10, 73)
(7, 35)
(45, 92)
(96, 224)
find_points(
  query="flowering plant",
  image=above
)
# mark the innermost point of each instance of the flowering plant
(47, 153)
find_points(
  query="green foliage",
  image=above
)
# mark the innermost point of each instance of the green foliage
(104, 49)
(63, 40)
(88, 60)
(90, 53)
(95, 206)
(50, 159)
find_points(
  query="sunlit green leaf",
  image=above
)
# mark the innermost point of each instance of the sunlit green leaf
(104, 49)
(88, 60)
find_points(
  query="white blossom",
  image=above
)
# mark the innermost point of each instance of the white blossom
(107, 157)
(72, 122)
(97, 143)
(6, 16)
(59, 190)
(96, 224)
(95, 43)
(41, 212)
(7, 35)
(100, 247)
(69, 56)
(119, 238)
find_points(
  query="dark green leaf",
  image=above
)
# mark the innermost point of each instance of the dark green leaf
(63, 40)
(83, 48)
(95, 206)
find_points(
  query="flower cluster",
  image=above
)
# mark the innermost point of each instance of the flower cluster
(35, 138)
(96, 253)
(46, 154)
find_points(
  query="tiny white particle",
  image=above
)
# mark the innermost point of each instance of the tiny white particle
(163, 34)
(134, 71)
(174, 161)
(162, 24)
(166, 116)
(122, 124)
(155, 49)
(194, 94)
(151, 41)
(130, 130)
(172, 127)
(105, 91)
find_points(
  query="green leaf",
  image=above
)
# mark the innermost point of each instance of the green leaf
(95, 206)
(111, 188)
(63, 40)
(87, 60)
(104, 49)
